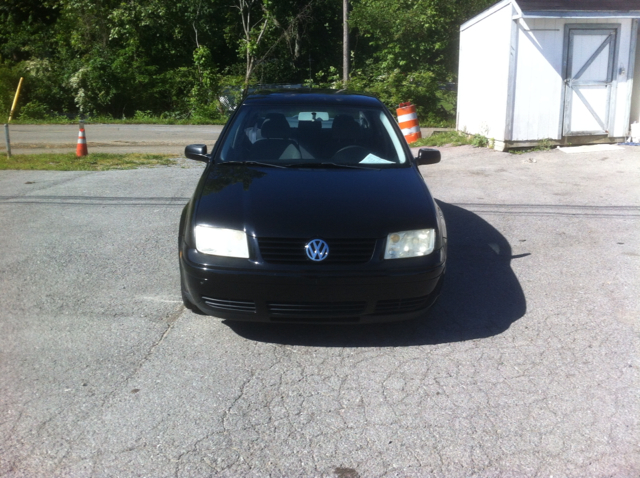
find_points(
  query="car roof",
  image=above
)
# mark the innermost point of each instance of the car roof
(312, 97)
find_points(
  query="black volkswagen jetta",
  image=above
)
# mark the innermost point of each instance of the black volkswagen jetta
(312, 209)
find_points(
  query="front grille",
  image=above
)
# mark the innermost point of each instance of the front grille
(231, 305)
(317, 320)
(291, 251)
(315, 309)
(398, 306)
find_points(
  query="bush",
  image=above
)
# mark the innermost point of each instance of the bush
(479, 141)
(434, 106)
(392, 89)
(34, 110)
(9, 79)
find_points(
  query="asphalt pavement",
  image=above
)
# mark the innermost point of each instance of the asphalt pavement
(109, 138)
(528, 366)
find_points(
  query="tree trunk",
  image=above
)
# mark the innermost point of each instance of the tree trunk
(247, 77)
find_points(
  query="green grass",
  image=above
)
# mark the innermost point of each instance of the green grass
(453, 138)
(543, 145)
(92, 162)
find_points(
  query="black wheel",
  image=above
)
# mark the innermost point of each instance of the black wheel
(186, 297)
(186, 301)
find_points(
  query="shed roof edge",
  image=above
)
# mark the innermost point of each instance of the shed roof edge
(635, 13)
(582, 14)
(486, 13)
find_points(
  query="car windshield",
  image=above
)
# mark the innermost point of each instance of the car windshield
(313, 136)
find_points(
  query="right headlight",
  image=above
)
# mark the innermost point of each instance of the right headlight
(405, 244)
(221, 242)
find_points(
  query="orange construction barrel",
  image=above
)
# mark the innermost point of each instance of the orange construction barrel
(408, 121)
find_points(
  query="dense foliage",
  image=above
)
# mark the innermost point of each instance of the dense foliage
(175, 59)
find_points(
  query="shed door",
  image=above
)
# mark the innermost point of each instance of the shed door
(588, 79)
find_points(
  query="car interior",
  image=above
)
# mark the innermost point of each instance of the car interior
(347, 136)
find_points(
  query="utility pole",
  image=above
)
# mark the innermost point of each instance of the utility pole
(345, 43)
(6, 126)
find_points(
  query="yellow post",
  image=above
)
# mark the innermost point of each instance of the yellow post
(15, 100)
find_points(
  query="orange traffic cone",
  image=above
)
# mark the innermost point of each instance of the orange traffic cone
(81, 149)
(408, 122)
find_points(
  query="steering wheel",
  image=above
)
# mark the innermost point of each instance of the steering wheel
(352, 154)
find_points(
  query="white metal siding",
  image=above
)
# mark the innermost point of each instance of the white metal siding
(624, 78)
(538, 104)
(538, 93)
(483, 77)
(635, 99)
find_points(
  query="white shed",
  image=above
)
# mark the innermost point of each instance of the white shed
(555, 70)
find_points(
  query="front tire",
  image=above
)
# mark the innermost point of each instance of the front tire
(186, 298)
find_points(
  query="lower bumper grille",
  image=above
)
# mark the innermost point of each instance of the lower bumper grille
(316, 320)
(315, 309)
(231, 305)
(399, 306)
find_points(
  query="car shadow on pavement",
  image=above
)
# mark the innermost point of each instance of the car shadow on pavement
(481, 298)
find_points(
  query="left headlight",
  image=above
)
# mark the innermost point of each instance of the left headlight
(410, 244)
(221, 242)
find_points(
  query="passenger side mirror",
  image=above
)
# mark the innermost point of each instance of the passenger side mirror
(428, 156)
(197, 152)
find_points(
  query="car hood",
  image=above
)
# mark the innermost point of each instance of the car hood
(297, 202)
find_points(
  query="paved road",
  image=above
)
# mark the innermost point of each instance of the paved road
(528, 365)
(110, 138)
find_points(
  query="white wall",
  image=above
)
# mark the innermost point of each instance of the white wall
(538, 104)
(483, 76)
(635, 99)
(624, 81)
(538, 92)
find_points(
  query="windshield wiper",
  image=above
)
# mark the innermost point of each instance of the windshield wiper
(328, 165)
(255, 163)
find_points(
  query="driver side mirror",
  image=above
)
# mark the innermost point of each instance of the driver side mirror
(428, 156)
(197, 152)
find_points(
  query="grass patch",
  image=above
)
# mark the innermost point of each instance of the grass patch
(92, 162)
(454, 138)
(543, 145)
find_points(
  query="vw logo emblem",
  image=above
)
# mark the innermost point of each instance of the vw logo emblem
(317, 250)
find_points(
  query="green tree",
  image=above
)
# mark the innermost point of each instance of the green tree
(176, 57)
(411, 35)
(266, 24)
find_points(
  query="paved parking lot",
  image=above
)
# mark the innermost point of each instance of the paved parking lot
(527, 366)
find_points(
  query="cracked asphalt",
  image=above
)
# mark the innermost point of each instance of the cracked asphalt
(528, 366)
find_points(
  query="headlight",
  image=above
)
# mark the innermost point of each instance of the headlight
(221, 242)
(410, 244)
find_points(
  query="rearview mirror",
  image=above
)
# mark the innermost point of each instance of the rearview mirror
(197, 152)
(428, 156)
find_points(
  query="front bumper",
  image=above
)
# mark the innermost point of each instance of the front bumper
(348, 294)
